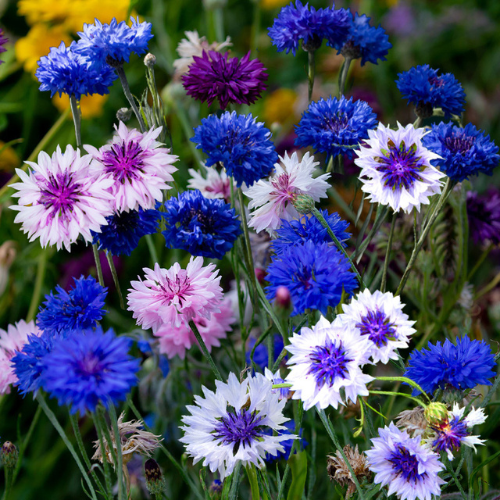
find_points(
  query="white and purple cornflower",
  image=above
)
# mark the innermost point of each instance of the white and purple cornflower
(405, 464)
(175, 296)
(232, 424)
(62, 197)
(273, 199)
(213, 184)
(379, 316)
(137, 166)
(483, 212)
(453, 431)
(396, 169)
(325, 367)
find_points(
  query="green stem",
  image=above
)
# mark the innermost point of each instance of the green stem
(204, 350)
(107, 472)
(53, 420)
(311, 71)
(219, 24)
(390, 393)
(8, 482)
(116, 432)
(343, 75)
(481, 259)
(255, 27)
(98, 264)
(130, 97)
(444, 196)
(388, 253)
(115, 279)
(406, 380)
(188, 131)
(151, 248)
(254, 483)
(77, 119)
(40, 275)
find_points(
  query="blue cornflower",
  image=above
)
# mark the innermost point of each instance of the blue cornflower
(202, 226)
(365, 41)
(287, 445)
(29, 363)
(464, 151)
(297, 232)
(426, 90)
(463, 366)
(330, 124)
(114, 42)
(260, 356)
(88, 368)
(240, 143)
(81, 308)
(65, 71)
(314, 274)
(124, 230)
(303, 23)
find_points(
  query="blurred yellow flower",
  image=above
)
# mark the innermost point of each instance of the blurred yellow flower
(37, 43)
(91, 105)
(279, 106)
(8, 158)
(44, 11)
(271, 4)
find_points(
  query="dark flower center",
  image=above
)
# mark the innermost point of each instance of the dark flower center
(436, 82)
(123, 160)
(399, 165)
(124, 221)
(197, 218)
(328, 363)
(377, 326)
(405, 464)
(60, 193)
(239, 429)
(89, 366)
(458, 144)
(449, 435)
(337, 123)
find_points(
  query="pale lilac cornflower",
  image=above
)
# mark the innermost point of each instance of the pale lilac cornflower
(214, 184)
(175, 296)
(235, 424)
(379, 316)
(396, 168)
(11, 341)
(62, 197)
(406, 464)
(273, 198)
(137, 165)
(325, 360)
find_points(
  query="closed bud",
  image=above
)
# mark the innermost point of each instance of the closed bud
(150, 60)
(215, 489)
(123, 114)
(283, 297)
(9, 455)
(260, 274)
(435, 413)
(304, 204)
(155, 482)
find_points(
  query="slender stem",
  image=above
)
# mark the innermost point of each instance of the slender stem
(151, 248)
(481, 259)
(254, 483)
(98, 264)
(188, 131)
(40, 275)
(107, 473)
(77, 119)
(390, 393)
(204, 350)
(323, 222)
(417, 122)
(444, 196)
(60, 430)
(115, 279)
(311, 71)
(219, 23)
(119, 466)
(343, 75)
(388, 253)
(8, 482)
(255, 28)
(130, 97)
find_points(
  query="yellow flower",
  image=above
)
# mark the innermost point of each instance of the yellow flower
(37, 43)
(278, 107)
(271, 4)
(37, 11)
(91, 105)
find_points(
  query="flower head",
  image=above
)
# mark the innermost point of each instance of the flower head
(427, 90)
(204, 227)
(301, 23)
(308, 228)
(124, 230)
(137, 166)
(379, 316)
(405, 464)
(484, 216)
(114, 40)
(175, 296)
(325, 360)
(396, 168)
(241, 144)
(316, 276)
(62, 197)
(12, 341)
(463, 152)
(330, 126)
(88, 368)
(230, 426)
(214, 184)
(78, 309)
(273, 199)
(230, 80)
(65, 71)
(364, 41)
(462, 365)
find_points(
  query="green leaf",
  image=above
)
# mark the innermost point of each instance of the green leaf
(298, 466)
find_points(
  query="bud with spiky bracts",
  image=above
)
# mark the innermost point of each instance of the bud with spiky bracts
(9, 455)
(435, 413)
(215, 489)
(304, 204)
(155, 482)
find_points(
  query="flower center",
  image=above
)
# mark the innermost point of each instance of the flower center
(405, 464)
(179, 287)
(239, 429)
(123, 160)
(196, 218)
(436, 82)
(338, 123)
(399, 165)
(60, 193)
(458, 144)
(449, 435)
(90, 366)
(377, 326)
(283, 189)
(328, 363)
(125, 221)
(220, 187)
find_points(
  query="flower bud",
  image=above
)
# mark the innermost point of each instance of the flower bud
(123, 114)
(283, 297)
(304, 203)
(215, 489)
(260, 274)
(435, 413)
(155, 482)
(150, 60)
(9, 455)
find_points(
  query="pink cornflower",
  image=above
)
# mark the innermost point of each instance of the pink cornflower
(138, 167)
(275, 196)
(11, 341)
(62, 197)
(175, 296)
(174, 341)
(214, 184)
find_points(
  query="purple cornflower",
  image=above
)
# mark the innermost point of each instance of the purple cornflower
(230, 80)
(484, 216)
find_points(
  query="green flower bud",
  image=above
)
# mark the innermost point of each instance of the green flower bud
(435, 413)
(155, 483)
(304, 203)
(9, 455)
